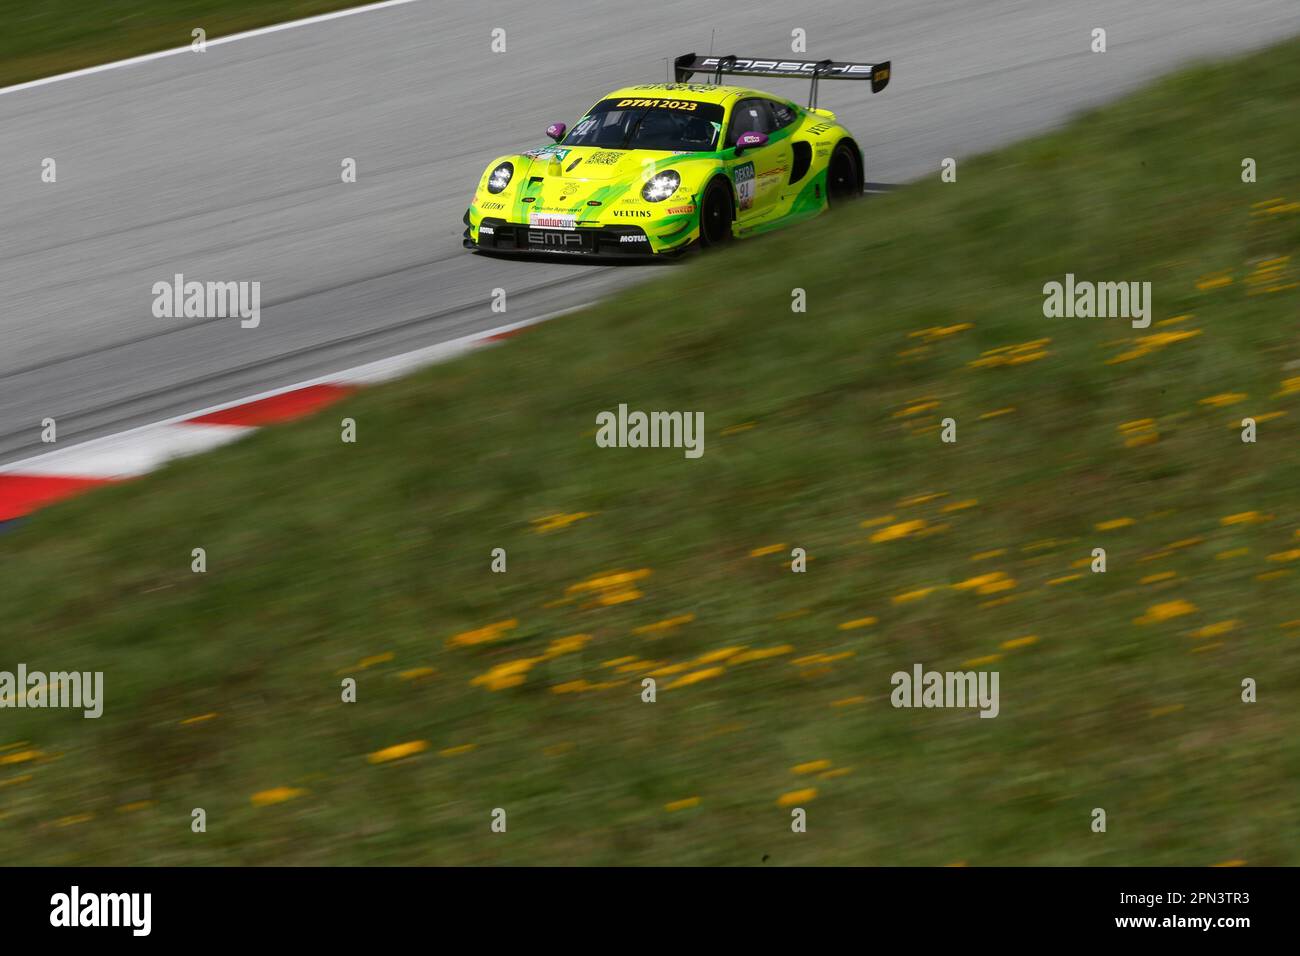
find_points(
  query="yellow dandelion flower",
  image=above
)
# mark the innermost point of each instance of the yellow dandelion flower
(614, 580)
(761, 654)
(1113, 524)
(812, 766)
(73, 820)
(1223, 399)
(483, 635)
(856, 623)
(556, 522)
(22, 756)
(686, 804)
(416, 673)
(619, 597)
(665, 625)
(694, 678)
(1215, 630)
(796, 797)
(266, 798)
(721, 654)
(671, 669)
(1158, 577)
(1165, 611)
(571, 687)
(398, 751)
(1018, 642)
(1245, 517)
(567, 645)
(900, 530)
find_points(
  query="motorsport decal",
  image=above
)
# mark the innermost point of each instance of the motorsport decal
(553, 241)
(744, 176)
(681, 210)
(671, 87)
(633, 213)
(557, 151)
(792, 67)
(662, 104)
(818, 129)
(489, 204)
(632, 239)
(553, 220)
(604, 158)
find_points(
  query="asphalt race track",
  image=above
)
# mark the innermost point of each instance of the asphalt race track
(225, 165)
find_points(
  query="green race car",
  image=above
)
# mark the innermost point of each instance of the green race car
(656, 169)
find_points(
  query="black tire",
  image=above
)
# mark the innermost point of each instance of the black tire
(843, 178)
(715, 215)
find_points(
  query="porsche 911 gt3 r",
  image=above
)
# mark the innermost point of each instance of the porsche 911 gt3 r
(658, 168)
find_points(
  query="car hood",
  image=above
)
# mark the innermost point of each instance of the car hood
(595, 162)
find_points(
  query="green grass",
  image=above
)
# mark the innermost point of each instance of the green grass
(323, 554)
(40, 38)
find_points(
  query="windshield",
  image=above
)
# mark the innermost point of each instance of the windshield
(635, 123)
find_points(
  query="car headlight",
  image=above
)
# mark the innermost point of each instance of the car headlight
(500, 177)
(661, 186)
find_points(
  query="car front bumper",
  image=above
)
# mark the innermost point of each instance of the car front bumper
(498, 235)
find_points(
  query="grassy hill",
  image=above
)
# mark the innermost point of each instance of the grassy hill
(45, 37)
(522, 690)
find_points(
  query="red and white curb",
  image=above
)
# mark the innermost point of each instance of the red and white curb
(53, 476)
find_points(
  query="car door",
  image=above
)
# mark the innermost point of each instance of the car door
(759, 172)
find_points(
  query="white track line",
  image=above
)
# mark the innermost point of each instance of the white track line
(137, 445)
(219, 41)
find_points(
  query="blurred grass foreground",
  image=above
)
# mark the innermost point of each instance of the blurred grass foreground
(522, 691)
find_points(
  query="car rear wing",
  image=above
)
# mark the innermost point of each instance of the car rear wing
(732, 65)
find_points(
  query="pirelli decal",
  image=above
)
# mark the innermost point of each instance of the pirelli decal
(662, 104)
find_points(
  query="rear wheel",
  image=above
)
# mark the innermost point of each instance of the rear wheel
(715, 215)
(843, 181)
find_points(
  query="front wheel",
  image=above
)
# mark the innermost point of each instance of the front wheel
(842, 180)
(715, 215)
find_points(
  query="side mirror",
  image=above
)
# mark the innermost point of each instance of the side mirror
(749, 140)
(556, 131)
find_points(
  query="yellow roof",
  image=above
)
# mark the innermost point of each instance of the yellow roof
(699, 92)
